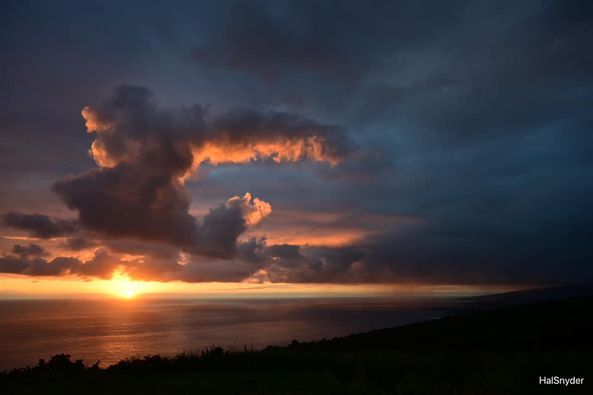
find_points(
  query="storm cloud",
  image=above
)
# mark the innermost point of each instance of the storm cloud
(145, 155)
(335, 141)
(39, 266)
(39, 225)
(32, 262)
(31, 250)
(268, 45)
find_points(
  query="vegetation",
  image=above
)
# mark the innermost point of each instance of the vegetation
(489, 352)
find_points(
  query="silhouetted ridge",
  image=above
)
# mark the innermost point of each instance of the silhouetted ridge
(486, 352)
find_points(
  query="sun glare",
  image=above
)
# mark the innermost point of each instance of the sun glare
(123, 287)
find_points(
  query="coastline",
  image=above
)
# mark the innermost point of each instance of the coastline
(477, 352)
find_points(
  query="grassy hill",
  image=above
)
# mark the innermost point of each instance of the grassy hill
(502, 351)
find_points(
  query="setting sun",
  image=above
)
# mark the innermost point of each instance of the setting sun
(128, 293)
(123, 287)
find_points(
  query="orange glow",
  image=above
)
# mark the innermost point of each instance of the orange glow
(326, 228)
(92, 121)
(314, 237)
(280, 150)
(121, 286)
(254, 209)
(100, 156)
(221, 150)
(125, 288)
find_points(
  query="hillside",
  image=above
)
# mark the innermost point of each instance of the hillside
(502, 351)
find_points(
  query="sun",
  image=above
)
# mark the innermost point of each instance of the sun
(128, 293)
(123, 287)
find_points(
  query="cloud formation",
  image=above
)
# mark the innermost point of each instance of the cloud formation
(145, 154)
(31, 250)
(32, 261)
(479, 112)
(38, 225)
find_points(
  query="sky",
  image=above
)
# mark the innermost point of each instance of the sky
(296, 142)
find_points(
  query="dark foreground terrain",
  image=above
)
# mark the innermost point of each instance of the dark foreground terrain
(502, 351)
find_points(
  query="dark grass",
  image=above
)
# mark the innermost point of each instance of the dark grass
(500, 351)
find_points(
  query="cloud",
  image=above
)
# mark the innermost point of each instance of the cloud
(253, 210)
(38, 266)
(441, 251)
(419, 252)
(266, 45)
(298, 264)
(101, 265)
(31, 250)
(243, 135)
(145, 155)
(39, 225)
(222, 226)
(480, 110)
(130, 128)
(79, 243)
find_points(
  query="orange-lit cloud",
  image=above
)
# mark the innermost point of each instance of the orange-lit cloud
(278, 149)
(93, 122)
(279, 140)
(145, 154)
(134, 214)
(328, 228)
(254, 209)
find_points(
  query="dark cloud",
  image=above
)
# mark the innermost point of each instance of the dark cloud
(144, 154)
(492, 71)
(220, 229)
(79, 243)
(38, 266)
(14, 264)
(297, 264)
(250, 251)
(31, 250)
(445, 251)
(101, 265)
(337, 40)
(256, 41)
(529, 76)
(39, 225)
(126, 201)
(471, 119)
(285, 253)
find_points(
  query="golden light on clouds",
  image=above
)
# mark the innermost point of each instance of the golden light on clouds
(315, 237)
(93, 122)
(254, 209)
(279, 150)
(219, 150)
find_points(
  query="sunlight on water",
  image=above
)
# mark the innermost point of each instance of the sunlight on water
(109, 330)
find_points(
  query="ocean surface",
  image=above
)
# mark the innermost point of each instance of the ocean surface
(110, 330)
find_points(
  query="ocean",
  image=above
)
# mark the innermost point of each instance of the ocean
(111, 330)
